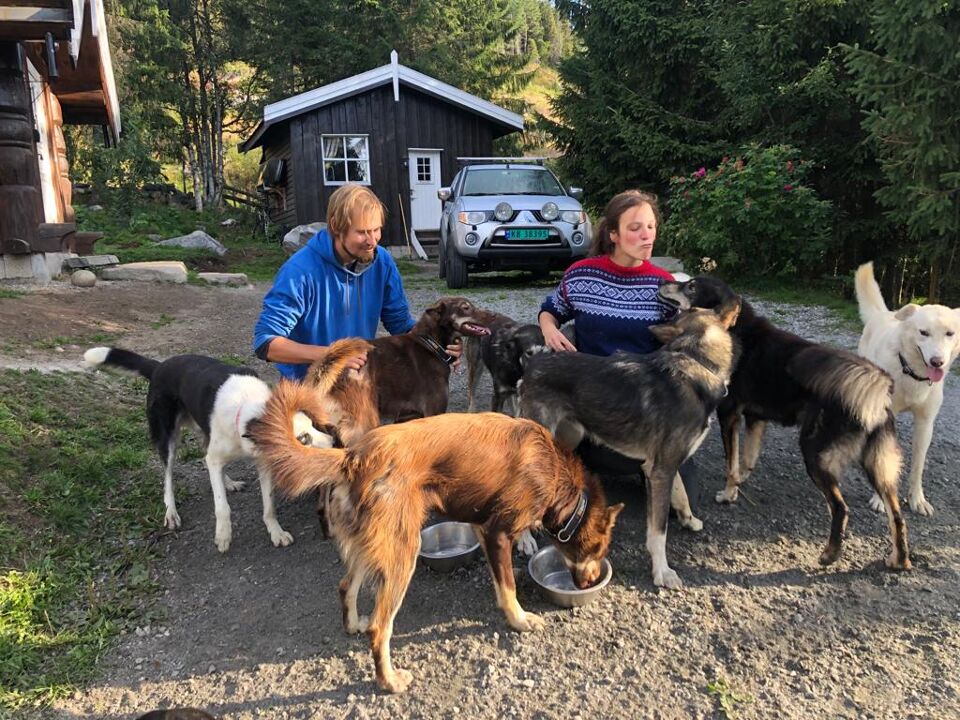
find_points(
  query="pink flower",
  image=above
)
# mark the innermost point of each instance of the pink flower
(789, 165)
(686, 193)
(788, 187)
(700, 173)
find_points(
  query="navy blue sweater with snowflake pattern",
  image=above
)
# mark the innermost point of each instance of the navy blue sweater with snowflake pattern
(613, 306)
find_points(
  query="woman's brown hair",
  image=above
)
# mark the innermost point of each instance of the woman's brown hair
(618, 205)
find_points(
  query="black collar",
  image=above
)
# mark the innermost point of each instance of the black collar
(907, 370)
(570, 527)
(433, 346)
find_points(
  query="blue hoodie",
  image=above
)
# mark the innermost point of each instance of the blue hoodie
(316, 301)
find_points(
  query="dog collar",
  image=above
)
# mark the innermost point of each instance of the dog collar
(433, 346)
(907, 370)
(570, 527)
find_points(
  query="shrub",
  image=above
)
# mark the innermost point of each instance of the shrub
(752, 213)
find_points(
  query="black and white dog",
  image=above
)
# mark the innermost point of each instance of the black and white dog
(220, 400)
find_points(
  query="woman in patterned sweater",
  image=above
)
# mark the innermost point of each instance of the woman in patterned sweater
(612, 296)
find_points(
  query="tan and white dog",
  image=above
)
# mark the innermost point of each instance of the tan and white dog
(916, 345)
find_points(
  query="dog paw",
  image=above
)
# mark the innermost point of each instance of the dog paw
(223, 537)
(829, 555)
(727, 495)
(281, 538)
(398, 681)
(876, 504)
(895, 562)
(694, 524)
(920, 506)
(171, 520)
(233, 485)
(526, 544)
(361, 625)
(528, 622)
(667, 578)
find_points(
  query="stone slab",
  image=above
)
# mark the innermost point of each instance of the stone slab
(90, 261)
(218, 278)
(172, 271)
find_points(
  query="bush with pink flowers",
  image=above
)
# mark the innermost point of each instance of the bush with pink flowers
(752, 213)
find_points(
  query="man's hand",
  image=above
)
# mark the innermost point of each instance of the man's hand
(455, 350)
(357, 362)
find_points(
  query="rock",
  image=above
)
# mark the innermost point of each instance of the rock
(232, 279)
(229, 222)
(298, 237)
(83, 278)
(157, 271)
(89, 261)
(153, 237)
(198, 240)
(94, 208)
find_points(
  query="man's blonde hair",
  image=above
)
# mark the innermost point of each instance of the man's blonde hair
(348, 201)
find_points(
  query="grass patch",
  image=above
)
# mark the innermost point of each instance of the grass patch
(60, 341)
(727, 697)
(825, 293)
(78, 497)
(127, 229)
(162, 322)
(9, 294)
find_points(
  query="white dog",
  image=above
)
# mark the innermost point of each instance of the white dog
(916, 345)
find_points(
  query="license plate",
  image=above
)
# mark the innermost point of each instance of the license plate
(528, 234)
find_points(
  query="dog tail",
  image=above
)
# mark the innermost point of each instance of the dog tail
(324, 373)
(861, 388)
(94, 357)
(296, 468)
(869, 299)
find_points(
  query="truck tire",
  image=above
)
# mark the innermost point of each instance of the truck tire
(456, 269)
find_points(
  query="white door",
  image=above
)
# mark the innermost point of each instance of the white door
(425, 207)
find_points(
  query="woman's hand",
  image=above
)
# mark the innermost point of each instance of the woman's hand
(455, 350)
(357, 362)
(557, 341)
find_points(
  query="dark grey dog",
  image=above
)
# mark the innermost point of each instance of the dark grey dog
(504, 353)
(655, 408)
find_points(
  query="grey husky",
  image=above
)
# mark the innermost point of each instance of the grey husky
(663, 400)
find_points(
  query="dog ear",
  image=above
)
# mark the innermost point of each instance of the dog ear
(906, 311)
(665, 333)
(612, 513)
(729, 312)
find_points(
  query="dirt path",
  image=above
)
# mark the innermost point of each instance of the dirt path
(255, 632)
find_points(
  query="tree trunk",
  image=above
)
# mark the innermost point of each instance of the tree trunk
(933, 290)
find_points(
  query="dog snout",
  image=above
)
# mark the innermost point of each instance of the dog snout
(936, 362)
(586, 576)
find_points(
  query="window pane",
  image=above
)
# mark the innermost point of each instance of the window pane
(357, 148)
(423, 169)
(334, 171)
(357, 171)
(332, 147)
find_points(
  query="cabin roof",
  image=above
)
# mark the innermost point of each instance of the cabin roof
(395, 74)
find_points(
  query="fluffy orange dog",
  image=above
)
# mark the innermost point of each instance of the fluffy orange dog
(513, 477)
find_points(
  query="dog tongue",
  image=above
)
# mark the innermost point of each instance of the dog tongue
(934, 374)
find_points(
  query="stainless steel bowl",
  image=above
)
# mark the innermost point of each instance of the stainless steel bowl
(448, 545)
(553, 578)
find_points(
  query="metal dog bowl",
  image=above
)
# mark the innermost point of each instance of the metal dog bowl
(448, 545)
(555, 581)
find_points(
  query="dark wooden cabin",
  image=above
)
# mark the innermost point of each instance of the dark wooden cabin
(392, 128)
(55, 69)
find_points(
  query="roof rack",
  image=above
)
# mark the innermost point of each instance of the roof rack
(485, 160)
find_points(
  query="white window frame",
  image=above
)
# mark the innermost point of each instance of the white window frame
(344, 159)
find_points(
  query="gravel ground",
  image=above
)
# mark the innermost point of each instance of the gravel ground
(758, 625)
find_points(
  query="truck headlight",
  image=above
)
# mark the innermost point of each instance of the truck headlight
(574, 217)
(550, 211)
(503, 212)
(474, 217)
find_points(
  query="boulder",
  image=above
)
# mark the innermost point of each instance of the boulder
(217, 278)
(197, 240)
(158, 271)
(300, 235)
(83, 278)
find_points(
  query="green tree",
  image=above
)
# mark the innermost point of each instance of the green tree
(909, 81)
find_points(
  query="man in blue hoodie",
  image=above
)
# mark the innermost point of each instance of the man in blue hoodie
(340, 285)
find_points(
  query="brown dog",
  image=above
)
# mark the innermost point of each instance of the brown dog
(513, 477)
(408, 374)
